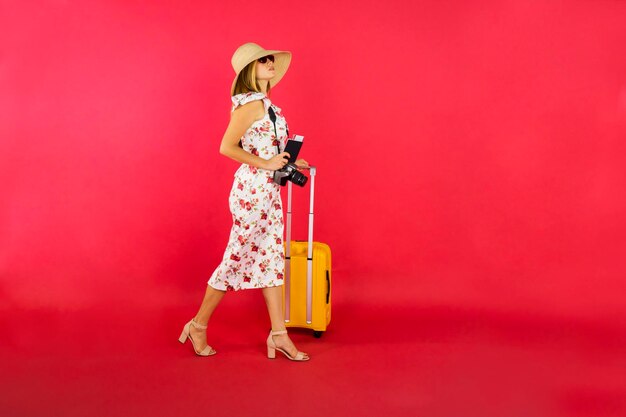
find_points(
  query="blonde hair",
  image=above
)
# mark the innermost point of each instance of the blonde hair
(247, 82)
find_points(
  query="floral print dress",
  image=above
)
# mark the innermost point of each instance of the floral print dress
(254, 256)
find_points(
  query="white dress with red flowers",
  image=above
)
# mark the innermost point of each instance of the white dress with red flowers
(254, 256)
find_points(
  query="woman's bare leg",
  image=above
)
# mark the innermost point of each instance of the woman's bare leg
(274, 300)
(212, 298)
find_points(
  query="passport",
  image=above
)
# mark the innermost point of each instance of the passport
(293, 147)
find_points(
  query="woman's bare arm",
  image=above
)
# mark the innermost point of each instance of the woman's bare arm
(241, 119)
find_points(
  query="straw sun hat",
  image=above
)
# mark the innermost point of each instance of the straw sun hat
(250, 52)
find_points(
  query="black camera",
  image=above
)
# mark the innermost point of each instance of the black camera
(290, 172)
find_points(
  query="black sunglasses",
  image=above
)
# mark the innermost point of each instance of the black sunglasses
(264, 59)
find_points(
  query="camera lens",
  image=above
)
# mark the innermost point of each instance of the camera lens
(299, 178)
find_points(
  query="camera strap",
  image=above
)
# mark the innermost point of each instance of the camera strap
(273, 119)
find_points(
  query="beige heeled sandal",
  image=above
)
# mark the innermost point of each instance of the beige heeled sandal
(207, 351)
(271, 349)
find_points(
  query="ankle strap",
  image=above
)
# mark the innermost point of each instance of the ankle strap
(197, 325)
(277, 332)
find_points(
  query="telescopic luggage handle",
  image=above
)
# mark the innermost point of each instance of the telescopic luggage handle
(309, 269)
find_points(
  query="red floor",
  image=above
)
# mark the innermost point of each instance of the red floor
(425, 361)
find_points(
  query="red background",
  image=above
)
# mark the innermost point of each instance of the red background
(470, 154)
(467, 152)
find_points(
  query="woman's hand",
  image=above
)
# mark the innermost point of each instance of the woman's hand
(277, 162)
(302, 164)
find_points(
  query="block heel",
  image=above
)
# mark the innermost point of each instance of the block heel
(271, 353)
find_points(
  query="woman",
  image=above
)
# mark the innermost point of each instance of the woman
(254, 256)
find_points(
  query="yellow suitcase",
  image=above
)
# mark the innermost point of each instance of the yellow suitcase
(306, 292)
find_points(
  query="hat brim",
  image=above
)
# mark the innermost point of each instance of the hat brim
(282, 59)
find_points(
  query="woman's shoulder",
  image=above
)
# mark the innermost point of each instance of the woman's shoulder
(243, 98)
